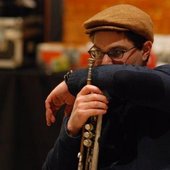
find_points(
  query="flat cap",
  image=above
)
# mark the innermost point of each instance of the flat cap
(122, 17)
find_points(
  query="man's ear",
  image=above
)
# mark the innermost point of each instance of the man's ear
(146, 50)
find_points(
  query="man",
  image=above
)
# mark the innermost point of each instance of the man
(135, 131)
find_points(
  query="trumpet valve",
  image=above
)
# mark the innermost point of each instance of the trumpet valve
(88, 135)
(87, 143)
(89, 127)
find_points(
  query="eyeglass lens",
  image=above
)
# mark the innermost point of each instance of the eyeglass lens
(113, 53)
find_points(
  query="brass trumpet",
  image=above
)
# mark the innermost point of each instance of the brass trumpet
(89, 147)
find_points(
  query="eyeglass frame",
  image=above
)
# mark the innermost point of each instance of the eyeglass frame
(103, 53)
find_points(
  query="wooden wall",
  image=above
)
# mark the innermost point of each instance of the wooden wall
(77, 11)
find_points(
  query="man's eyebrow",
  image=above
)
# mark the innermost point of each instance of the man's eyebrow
(115, 47)
(118, 46)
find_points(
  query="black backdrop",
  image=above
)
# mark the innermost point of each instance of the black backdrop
(24, 137)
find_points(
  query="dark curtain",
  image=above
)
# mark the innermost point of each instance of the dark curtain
(24, 137)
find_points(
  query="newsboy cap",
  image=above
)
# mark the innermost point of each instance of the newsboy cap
(122, 17)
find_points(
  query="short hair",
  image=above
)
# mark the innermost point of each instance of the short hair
(136, 39)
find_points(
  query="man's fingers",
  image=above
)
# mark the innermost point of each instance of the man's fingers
(90, 89)
(50, 118)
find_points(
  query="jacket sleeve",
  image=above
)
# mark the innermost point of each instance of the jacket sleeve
(136, 84)
(63, 155)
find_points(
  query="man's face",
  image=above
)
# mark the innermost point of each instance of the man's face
(118, 47)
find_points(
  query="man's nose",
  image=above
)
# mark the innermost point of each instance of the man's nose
(106, 59)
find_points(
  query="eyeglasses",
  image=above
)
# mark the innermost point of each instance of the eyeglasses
(114, 53)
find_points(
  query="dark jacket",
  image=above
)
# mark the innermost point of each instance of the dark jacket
(136, 129)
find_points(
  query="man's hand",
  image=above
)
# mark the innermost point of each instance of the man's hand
(90, 101)
(58, 96)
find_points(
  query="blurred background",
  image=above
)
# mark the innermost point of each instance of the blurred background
(40, 40)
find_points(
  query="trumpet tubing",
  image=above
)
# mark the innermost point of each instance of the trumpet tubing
(89, 147)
